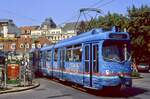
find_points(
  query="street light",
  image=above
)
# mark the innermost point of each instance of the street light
(24, 68)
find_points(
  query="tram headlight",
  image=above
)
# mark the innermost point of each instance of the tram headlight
(108, 72)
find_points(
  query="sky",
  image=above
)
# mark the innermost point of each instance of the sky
(33, 12)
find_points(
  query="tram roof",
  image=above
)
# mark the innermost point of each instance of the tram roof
(47, 47)
(93, 35)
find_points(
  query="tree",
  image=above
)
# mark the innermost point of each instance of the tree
(81, 27)
(138, 26)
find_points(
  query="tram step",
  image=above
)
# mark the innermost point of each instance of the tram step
(61, 79)
(90, 87)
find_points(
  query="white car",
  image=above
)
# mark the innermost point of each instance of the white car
(143, 67)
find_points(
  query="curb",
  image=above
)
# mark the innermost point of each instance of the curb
(138, 77)
(21, 89)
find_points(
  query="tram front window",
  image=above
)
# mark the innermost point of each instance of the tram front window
(116, 51)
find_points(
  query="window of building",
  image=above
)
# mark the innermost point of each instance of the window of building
(21, 45)
(58, 32)
(39, 45)
(28, 31)
(56, 38)
(1, 46)
(13, 46)
(27, 45)
(53, 32)
(53, 37)
(33, 45)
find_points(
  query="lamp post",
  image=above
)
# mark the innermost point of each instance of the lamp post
(24, 67)
(5, 74)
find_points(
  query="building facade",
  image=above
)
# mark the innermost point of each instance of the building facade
(7, 28)
(49, 30)
(19, 40)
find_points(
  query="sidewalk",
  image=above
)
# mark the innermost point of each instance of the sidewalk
(15, 88)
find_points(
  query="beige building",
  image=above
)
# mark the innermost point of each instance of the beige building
(49, 30)
(36, 33)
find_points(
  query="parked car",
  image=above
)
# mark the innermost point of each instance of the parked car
(143, 67)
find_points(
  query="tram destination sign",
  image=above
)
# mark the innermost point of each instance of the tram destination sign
(118, 36)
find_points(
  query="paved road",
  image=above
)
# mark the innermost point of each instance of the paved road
(53, 90)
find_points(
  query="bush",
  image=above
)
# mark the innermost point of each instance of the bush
(135, 74)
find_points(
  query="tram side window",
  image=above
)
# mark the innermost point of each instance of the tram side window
(73, 53)
(87, 59)
(77, 55)
(43, 62)
(40, 55)
(69, 55)
(56, 55)
(49, 55)
(95, 58)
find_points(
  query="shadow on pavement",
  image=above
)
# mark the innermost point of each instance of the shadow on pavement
(108, 92)
(128, 92)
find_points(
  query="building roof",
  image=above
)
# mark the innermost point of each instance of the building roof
(49, 23)
(6, 20)
(29, 27)
(70, 26)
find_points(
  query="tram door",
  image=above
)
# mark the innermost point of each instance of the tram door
(62, 58)
(90, 63)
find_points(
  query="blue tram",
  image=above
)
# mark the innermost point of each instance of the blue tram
(95, 59)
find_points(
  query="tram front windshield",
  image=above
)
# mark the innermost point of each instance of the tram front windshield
(116, 51)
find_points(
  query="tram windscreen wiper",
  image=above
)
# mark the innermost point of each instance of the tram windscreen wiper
(112, 59)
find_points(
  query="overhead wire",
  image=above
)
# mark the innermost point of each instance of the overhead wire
(73, 17)
(105, 3)
(78, 15)
(97, 7)
(96, 3)
(70, 19)
(15, 15)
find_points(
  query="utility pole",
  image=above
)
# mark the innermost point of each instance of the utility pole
(24, 67)
(5, 76)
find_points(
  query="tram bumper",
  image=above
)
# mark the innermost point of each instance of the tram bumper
(126, 81)
(116, 81)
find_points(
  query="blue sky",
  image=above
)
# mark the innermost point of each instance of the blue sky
(33, 12)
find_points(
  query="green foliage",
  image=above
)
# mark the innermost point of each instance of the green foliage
(139, 29)
(135, 74)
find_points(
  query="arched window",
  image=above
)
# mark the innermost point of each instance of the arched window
(39, 45)
(21, 45)
(27, 45)
(13, 46)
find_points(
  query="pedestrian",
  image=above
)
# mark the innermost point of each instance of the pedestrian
(134, 66)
